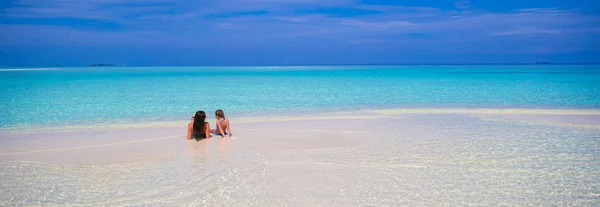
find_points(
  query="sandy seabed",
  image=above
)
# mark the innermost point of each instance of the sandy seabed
(392, 157)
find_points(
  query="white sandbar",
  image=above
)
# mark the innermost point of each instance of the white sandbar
(428, 157)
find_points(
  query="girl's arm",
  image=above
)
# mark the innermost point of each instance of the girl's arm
(228, 129)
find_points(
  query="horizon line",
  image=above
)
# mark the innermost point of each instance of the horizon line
(298, 65)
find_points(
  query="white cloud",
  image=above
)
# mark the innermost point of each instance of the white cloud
(183, 23)
(464, 5)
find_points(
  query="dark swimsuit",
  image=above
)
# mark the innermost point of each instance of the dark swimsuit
(198, 136)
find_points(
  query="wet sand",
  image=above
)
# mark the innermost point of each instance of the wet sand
(430, 157)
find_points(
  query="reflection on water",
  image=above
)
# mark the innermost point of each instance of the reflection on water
(430, 161)
(209, 150)
(198, 154)
(222, 149)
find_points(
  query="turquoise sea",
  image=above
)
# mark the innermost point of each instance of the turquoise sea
(372, 158)
(90, 95)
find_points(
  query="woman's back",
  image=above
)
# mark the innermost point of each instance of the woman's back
(198, 128)
(201, 133)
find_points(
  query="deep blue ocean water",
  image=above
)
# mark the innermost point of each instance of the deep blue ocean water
(89, 95)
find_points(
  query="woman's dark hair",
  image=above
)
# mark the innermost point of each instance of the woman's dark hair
(199, 119)
(219, 113)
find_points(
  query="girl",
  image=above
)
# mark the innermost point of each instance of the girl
(222, 127)
(198, 128)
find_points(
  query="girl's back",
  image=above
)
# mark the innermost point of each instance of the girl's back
(222, 127)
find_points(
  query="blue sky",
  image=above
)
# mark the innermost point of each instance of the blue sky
(297, 32)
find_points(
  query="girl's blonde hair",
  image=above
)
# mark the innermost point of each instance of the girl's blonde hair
(219, 113)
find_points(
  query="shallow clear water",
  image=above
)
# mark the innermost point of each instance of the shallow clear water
(428, 160)
(90, 95)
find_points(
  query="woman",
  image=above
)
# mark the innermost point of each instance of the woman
(198, 128)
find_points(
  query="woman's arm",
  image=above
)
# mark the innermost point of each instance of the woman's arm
(189, 131)
(207, 131)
